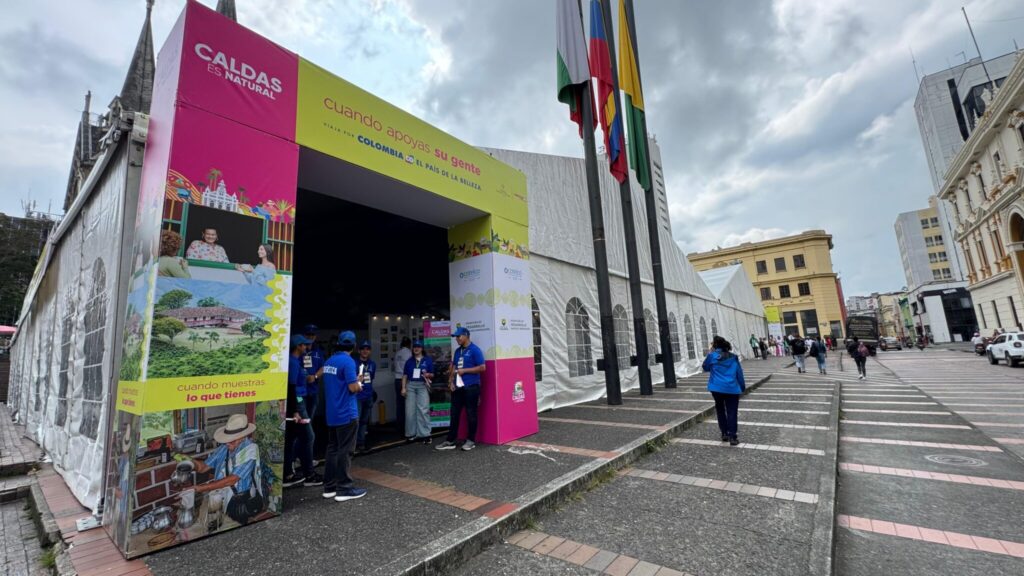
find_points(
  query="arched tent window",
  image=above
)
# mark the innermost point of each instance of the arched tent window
(653, 340)
(577, 332)
(714, 328)
(690, 344)
(623, 344)
(704, 342)
(673, 335)
(538, 371)
(63, 372)
(95, 347)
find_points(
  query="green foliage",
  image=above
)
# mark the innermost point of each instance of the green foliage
(255, 327)
(176, 298)
(213, 337)
(49, 558)
(131, 363)
(169, 327)
(167, 360)
(208, 302)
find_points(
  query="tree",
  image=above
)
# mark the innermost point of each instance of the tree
(176, 298)
(194, 337)
(213, 337)
(208, 302)
(170, 327)
(254, 326)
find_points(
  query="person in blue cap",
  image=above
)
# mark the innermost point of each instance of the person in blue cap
(464, 383)
(366, 371)
(313, 361)
(341, 384)
(298, 431)
(419, 371)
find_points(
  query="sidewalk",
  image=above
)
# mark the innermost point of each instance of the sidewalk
(430, 511)
(699, 506)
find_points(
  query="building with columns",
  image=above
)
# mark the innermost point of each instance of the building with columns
(983, 187)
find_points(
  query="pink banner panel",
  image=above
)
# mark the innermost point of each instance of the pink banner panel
(231, 71)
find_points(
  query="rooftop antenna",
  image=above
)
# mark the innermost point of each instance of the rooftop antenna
(971, 30)
(914, 60)
(963, 54)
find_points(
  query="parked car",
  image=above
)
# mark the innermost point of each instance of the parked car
(1009, 347)
(190, 442)
(890, 343)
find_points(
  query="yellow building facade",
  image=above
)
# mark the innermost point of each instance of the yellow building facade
(793, 276)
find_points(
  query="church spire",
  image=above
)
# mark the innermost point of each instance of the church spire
(227, 8)
(137, 92)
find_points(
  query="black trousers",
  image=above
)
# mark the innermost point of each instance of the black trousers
(726, 407)
(862, 367)
(467, 397)
(341, 441)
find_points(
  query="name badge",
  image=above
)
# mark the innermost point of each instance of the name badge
(415, 373)
(307, 361)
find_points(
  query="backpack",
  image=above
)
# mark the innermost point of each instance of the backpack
(814, 350)
(798, 346)
(863, 350)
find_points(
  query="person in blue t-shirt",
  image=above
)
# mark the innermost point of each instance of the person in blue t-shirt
(298, 432)
(366, 371)
(464, 383)
(416, 378)
(341, 384)
(313, 361)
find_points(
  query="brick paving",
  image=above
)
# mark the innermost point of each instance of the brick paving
(17, 453)
(21, 552)
(596, 559)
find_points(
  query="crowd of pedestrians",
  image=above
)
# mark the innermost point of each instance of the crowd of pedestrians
(344, 382)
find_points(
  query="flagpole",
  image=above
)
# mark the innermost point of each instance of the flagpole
(610, 362)
(629, 228)
(667, 354)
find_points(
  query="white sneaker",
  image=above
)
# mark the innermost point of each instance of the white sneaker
(330, 494)
(468, 445)
(861, 377)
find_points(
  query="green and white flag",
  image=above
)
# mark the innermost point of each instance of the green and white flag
(573, 66)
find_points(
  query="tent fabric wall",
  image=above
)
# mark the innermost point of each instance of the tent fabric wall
(63, 356)
(562, 268)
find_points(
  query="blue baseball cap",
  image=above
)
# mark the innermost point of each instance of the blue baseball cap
(347, 337)
(418, 343)
(365, 344)
(460, 331)
(299, 340)
(310, 329)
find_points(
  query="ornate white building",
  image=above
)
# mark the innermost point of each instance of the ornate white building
(984, 187)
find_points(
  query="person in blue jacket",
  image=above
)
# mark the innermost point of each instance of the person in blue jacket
(366, 371)
(341, 384)
(313, 361)
(726, 384)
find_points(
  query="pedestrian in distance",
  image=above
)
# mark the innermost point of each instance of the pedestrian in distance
(366, 372)
(726, 384)
(859, 352)
(819, 352)
(464, 384)
(298, 430)
(755, 345)
(313, 361)
(341, 384)
(797, 348)
(398, 370)
(416, 380)
(764, 348)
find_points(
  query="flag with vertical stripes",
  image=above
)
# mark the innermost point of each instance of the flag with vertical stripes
(607, 99)
(629, 82)
(573, 68)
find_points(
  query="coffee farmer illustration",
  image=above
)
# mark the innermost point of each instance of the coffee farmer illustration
(238, 474)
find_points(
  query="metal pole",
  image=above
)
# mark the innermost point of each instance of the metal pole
(604, 294)
(667, 354)
(971, 30)
(632, 260)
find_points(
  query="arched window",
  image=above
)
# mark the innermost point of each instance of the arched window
(688, 330)
(653, 340)
(95, 347)
(673, 336)
(538, 371)
(704, 342)
(63, 372)
(714, 328)
(577, 337)
(623, 344)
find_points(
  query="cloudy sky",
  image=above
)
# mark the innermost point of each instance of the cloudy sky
(773, 117)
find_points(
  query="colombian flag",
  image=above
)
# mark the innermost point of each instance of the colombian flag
(607, 99)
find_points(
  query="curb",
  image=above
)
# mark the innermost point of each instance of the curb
(45, 524)
(460, 545)
(820, 559)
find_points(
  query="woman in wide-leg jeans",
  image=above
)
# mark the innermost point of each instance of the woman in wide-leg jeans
(419, 371)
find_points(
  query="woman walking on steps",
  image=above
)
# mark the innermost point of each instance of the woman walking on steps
(726, 384)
